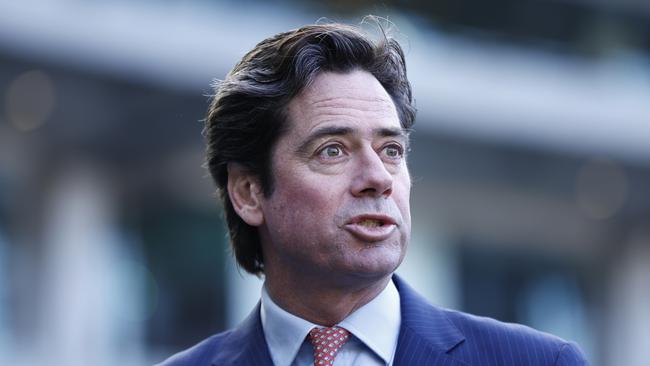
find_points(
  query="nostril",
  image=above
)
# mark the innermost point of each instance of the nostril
(374, 192)
(372, 180)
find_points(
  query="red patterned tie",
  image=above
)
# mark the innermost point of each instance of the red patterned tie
(327, 342)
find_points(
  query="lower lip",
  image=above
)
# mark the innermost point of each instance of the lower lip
(367, 233)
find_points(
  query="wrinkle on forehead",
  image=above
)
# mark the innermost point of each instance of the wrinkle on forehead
(354, 114)
(358, 84)
(365, 104)
(356, 96)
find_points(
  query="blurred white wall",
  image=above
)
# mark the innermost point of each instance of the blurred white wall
(91, 306)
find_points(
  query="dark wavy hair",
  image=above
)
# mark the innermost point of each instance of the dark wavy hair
(246, 115)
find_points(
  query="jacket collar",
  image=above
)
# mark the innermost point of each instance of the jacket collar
(426, 336)
(245, 345)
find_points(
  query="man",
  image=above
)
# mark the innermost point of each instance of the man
(307, 139)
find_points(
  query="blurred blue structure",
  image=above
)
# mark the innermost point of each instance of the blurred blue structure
(5, 335)
(531, 162)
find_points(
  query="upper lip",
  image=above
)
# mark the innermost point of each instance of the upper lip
(385, 220)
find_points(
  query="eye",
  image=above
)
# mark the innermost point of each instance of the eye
(331, 151)
(393, 151)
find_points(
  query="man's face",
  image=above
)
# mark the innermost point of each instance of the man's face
(341, 185)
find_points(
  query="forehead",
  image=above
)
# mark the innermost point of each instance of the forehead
(354, 99)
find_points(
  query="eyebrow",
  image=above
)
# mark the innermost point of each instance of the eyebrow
(402, 133)
(393, 132)
(342, 131)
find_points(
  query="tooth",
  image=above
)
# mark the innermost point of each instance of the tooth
(370, 223)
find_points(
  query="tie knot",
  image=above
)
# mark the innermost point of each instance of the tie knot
(326, 343)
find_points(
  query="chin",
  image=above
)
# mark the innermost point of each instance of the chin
(376, 267)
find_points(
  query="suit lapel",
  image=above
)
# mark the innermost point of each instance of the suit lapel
(246, 344)
(426, 334)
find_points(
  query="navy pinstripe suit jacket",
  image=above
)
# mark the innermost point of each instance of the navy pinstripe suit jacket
(428, 336)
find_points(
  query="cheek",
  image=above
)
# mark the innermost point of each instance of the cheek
(309, 189)
(401, 195)
(305, 203)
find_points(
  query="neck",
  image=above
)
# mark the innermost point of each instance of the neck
(322, 302)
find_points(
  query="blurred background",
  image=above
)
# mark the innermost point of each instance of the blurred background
(531, 166)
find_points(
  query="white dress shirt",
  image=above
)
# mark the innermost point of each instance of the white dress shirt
(374, 328)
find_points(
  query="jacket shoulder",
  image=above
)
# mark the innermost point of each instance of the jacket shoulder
(200, 354)
(487, 339)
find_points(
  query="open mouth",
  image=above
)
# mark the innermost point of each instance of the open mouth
(372, 228)
(371, 223)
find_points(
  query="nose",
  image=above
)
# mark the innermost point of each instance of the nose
(371, 177)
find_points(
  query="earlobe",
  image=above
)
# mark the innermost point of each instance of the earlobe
(245, 194)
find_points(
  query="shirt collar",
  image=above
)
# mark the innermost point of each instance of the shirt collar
(376, 324)
(284, 331)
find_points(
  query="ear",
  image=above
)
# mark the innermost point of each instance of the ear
(245, 193)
